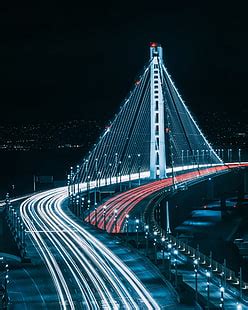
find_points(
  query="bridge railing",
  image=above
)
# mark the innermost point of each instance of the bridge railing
(226, 277)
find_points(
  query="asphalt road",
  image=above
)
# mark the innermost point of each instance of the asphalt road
(83, 272)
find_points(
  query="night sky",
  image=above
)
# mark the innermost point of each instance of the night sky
(70, 60)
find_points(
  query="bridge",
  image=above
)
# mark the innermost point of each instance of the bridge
(152, 147)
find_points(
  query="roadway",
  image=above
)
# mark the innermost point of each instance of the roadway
(112, 214)
(85, 273)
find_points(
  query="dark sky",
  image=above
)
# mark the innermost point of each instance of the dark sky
(72, 60)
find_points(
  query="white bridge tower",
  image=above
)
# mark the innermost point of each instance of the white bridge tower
(157, 144)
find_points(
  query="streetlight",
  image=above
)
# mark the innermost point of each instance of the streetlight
(129, 170)
(77, 205)
(110, 173)
(139, 167)
(95, 214)
(169, 247)
(96, 180)
(240, 283)
(203, 156)
(104, 217)
(198, 158)
(182, 160)
(127, 227)
(116, 167)
(163, 241)
(155, 245)
(137, 232)
(68, 185)
(239, 155)
(82, 207)
(88, 208)
(208, 288)
(196, 278)
(115, 219)
(239, 306)
(175, 265)
(105, 167)
(146, 237)
(222, 290)
(120, 176)
(88, 187)
(19, 230)
(78, 182)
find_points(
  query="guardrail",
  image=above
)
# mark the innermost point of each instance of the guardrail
(228, 278)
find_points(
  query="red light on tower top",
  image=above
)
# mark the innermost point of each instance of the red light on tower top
(153, 44)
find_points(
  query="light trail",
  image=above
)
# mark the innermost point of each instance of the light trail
(125, 202)
(95, 270)
(45, 253)
(71, 253)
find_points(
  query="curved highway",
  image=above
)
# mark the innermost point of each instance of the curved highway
(85, 273)
(112, 214)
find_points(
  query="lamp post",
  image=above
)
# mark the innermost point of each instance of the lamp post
(104, 217)
(68, 184)
(99, 179)
(95, 214)
(129, 170)
(120, 176)
(175, 266)
(203, 156)
(198, 158)
(116, 168)
(88, 208)
(222, 290)
(210, 158)
(115, 219)
(146, 237)
(96, 180)
(127, 227)
(77, 205)
(196, 278)
(137, 232)
(110, 173)
(139, 167)
(187, 157)
(240, 283)
(239, 155)
(230, 155)
(82, 208)
(182, 160)
(105, 167)
(5, 298)
(7, 203)
(19, 230)
(88, 187)
(163, 242)
(208, 288)
(15, 224)
(155, 245)
(78, 181)
(169, 247)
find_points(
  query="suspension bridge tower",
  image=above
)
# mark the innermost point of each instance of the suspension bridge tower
(157, 140)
